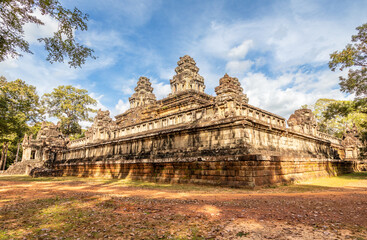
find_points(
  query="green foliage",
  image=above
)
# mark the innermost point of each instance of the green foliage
(354, 58)
(70, 105)
(305, 106)
(354, 111)
(34, 129)
(78, 135)
(14, 14)
(242, 234)
(330, 121)
(19, 105)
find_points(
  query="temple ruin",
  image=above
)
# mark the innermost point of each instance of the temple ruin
(193, 137)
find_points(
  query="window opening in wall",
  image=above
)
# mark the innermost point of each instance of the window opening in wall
(33, 154)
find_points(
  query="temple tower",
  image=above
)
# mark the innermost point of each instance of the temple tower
(187, 77)
(304, 121)
(230, 89)
(143, 94)
(230, 96)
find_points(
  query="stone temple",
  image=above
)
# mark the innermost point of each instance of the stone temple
(193, 137)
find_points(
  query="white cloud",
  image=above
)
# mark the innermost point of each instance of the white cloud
(288, 37)
(126, 86)
(121, 106)
(166, 74)
(38, 73)
(127, 91)
(161, 89)
(238, 67)
(288, 92)
(240, 51)
(104, 40)
(290, 47)
(45, 76)
(98, 98)
(33, 31)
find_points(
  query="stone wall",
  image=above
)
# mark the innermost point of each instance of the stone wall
(244, 171)
(232, 152)
(191, 136)
(230, 136)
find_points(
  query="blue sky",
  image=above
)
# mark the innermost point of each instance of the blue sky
(279, 50)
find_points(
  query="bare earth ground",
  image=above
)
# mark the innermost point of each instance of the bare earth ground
(72, 208)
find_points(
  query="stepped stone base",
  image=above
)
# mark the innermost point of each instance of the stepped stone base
(45, 172)
(24, 167)
(248, 171)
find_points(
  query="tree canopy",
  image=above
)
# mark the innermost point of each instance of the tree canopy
(70, 105)
(333, 123)
(14, 14)
(354, 58)
(19, 105)
(20, 113)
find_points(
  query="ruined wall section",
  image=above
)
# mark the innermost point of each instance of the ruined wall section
(48, 141)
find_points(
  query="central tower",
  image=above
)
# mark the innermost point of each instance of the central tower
(143, 94)
(187, 77)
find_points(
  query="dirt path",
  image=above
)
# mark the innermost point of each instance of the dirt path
(113, 209)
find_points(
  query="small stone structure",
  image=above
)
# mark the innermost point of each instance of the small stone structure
(303, 120)
(191, 136)
(351, 143)
(48, 142)
(36, 151)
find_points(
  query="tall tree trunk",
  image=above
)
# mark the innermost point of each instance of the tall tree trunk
(5, 156)
(16, 158)
(2, 157)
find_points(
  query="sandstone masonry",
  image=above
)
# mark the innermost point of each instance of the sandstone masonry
(194, 137)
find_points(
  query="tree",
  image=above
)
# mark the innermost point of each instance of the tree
(14, 14)
(354, 58)
(336, 124)
(70, 105)
(19, 107)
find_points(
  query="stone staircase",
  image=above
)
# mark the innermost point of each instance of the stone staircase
(24, 167)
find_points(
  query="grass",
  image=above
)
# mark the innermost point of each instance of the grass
(124, 183)
(319, 184)
(338, 181)
(26, 178)
(347, 181)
